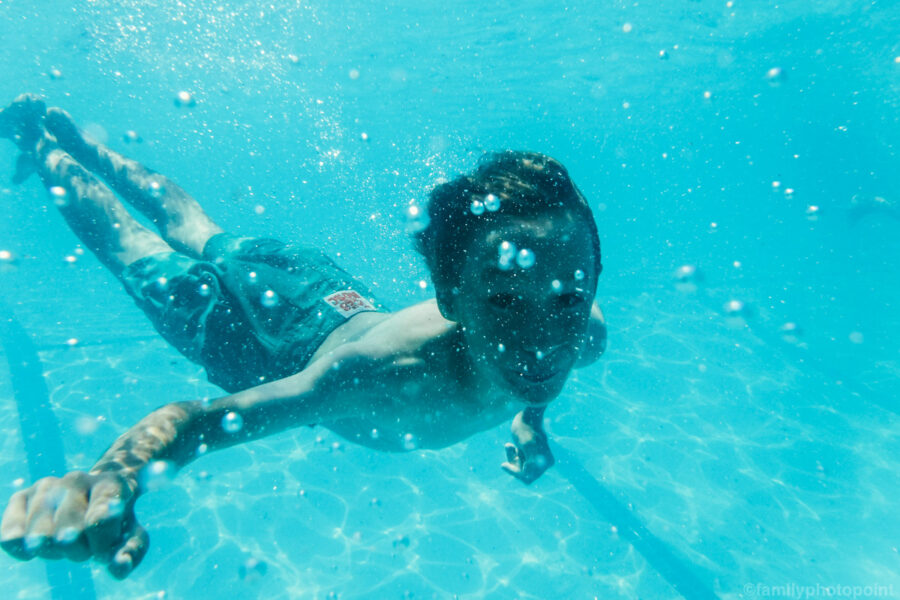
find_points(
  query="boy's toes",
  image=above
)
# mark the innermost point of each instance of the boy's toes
(22, 121)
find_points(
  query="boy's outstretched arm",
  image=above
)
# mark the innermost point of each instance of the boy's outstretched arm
(92, 514)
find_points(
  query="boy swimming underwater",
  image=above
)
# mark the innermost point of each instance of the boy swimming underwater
(514, 255)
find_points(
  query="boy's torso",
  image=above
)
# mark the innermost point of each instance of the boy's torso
(422, 394)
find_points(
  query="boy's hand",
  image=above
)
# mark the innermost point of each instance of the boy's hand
(76, 517)
(529, 456)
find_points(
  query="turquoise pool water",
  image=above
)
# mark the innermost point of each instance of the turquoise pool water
(710, 453)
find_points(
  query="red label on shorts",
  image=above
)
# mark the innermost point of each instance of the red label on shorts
(348, 303)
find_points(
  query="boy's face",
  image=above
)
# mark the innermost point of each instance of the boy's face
(525, 323)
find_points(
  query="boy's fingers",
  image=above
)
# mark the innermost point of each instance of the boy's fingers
(131, 553)
(47, 495)
(70, 519)
(12, 528)
(104, 518)
(512, 453)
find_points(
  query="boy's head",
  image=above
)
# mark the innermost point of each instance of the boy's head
(514, 254)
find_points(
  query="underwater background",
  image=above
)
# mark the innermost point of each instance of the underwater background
(739, 439)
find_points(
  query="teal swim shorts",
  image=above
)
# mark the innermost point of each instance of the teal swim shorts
(251, 310)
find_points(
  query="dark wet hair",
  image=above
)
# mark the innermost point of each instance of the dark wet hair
(527, 184)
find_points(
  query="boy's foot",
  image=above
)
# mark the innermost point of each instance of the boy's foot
(23, 121)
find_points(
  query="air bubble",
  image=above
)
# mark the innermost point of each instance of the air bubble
(204, 290)
(410, 442)
(791, 332)
(507, 253)
(157, 475)
(202, 449)
(663, 55)
(416, 218)
(856, 337)
(812, 212)
(55, 74)
(775, 75)
(501, 348)
(132, 137)
(253, 568)
(525, 258)
(579, 274)
(492, 203)
(269, 299)
(185, 99)
(59, 195)
(156, 189)
(477, 207)
(353, 74)
(556, 285)
(232, 422)
(374, 434)
(687, 278)
(736, 310)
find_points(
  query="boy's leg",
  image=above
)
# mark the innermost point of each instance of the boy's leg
(92, 211)
(179, 218)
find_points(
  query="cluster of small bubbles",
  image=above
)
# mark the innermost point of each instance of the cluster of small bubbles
(477, 207)
(507, 253)
(416, 218)
(132, 137)
(579, 275)
(269, 299)
(525, 258)
(185, 99)
(157, 475)
(791, 332)
(55, 74)
(232, 422)
(812, 212)
(663, 55)
(556, 285)
(410, 442)
(775, 75)
(687, 277)
(492, 203)
(374, 434)
(252, 568)
(59, 195)
(155, 188)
